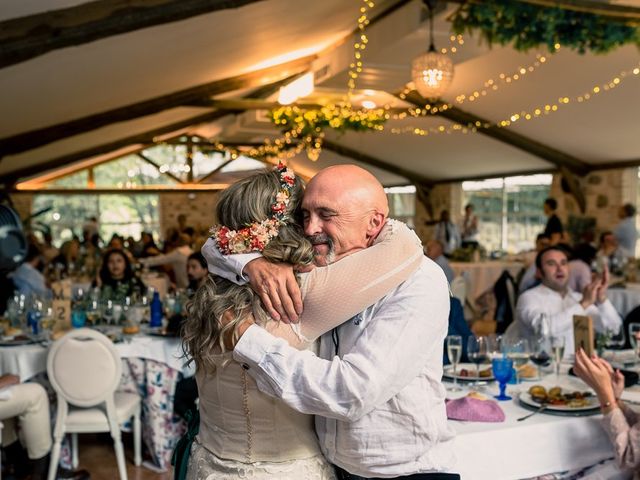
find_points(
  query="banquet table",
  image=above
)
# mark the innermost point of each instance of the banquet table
(625, 299)
(152, 367)
(481, 276)
(536, 446)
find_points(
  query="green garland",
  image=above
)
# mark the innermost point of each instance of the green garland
(341, 118)
(529, 26)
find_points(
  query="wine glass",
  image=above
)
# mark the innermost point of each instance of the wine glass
(517, 350)
(478, 352)
(634, 330)
(454, 350)
(494, 346)
(557, 347)
(502, 368)
(540, 353)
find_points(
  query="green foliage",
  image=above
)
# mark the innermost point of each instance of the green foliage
(529, 26)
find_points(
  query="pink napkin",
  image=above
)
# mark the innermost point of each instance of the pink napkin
(474, 410)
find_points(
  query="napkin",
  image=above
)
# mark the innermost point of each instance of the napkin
(474, 410)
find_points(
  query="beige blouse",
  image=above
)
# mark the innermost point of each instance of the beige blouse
(623, 428)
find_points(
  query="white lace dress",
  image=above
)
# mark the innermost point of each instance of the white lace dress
(247, 434)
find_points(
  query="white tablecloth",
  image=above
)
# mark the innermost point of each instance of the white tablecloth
(541, 444)
(481, 276)
(625, 299)
(26, 361)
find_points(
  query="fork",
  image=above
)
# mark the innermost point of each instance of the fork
(532, 413)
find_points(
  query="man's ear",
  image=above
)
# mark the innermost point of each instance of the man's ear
(376, 222)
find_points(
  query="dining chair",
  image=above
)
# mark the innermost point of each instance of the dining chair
(84, 369)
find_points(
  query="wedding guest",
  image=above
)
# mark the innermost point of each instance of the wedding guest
(176, 259)
(446, 232)
(620, 422)
(626, 232)
(529, 278)
(554, 229)
(148, 246)
(196, 270)
(552, 305)
(470, 228)
(435, 252)
(28, 278)
(117, 279)
(68, 258)
(611, 253)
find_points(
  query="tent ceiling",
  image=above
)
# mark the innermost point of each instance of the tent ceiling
(123, 70)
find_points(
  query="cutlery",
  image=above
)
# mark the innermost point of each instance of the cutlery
(532, 413)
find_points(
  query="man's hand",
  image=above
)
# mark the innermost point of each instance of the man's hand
(604, 285)
(8, 380)
(589, 293)
(277, 287)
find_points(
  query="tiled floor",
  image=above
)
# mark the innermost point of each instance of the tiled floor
(97, 456)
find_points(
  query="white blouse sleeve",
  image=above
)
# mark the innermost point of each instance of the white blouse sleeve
(335, 293)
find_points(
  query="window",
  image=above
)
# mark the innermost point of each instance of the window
(509, 210)
(402, 203)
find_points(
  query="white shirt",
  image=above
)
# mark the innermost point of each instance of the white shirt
(178, 259)
(541, 301)
(380, 401)
(627, 234)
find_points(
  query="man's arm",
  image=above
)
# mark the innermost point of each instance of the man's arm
(530, 313)
(394, 347)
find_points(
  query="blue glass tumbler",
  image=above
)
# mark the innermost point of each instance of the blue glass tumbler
(502, 369)
(78, 318)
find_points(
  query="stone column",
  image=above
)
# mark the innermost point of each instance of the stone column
(444, 196)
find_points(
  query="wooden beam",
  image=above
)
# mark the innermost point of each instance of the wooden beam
(142, 156)
(374, 162)
(214, 171)
(258, 78)
(242, 104)
(207, 187)
(616, 164)
(504, 135)
(494, 175)
(146, 139)
(28, 37)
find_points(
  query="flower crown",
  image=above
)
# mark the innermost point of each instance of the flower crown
(257, 235)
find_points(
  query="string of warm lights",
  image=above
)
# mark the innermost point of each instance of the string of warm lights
(456, 42)
(355, 67)
(552, 107)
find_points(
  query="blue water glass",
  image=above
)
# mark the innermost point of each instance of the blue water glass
(78, 318)
(502, 371)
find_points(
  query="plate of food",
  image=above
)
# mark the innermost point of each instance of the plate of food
(559, 401)
(467, 372)
(15, 340)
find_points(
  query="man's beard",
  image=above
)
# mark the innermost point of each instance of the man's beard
(323, 239)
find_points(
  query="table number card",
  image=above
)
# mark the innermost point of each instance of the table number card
(583, 333)
(61, 289)
(61, 314)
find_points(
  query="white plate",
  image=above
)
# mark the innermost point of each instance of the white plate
(471, 368)
(525, 398)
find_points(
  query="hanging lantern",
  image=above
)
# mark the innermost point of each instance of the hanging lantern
(432, 72)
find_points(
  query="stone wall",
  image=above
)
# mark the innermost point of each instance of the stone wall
(446, 196)
(198, 207)
(605, 192)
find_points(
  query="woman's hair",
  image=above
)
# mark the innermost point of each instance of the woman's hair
(105, 274)
(243, 203)
(198, 257)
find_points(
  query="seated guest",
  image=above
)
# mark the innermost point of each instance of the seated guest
(435, 252)
(446, 232)
(69, 257)
(116, 279)
(611, 254)
(619, 421)
(27, 278)
(529, 278)
(556, 303)
(28, 406)
(625, 232)
(177, 259)
(197, 270)
(148, 246)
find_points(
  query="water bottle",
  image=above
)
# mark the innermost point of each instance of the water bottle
(156, 311)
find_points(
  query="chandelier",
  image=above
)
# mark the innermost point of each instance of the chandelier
(432, 72)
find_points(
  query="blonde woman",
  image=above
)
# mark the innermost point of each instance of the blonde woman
(243, 432)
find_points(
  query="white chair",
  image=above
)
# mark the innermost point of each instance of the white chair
(459, 288)
(84, 369)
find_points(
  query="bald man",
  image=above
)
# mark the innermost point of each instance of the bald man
(375, 386)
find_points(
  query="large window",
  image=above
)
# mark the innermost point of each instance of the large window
(126, 215)
(509, 210)
(402, 203)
